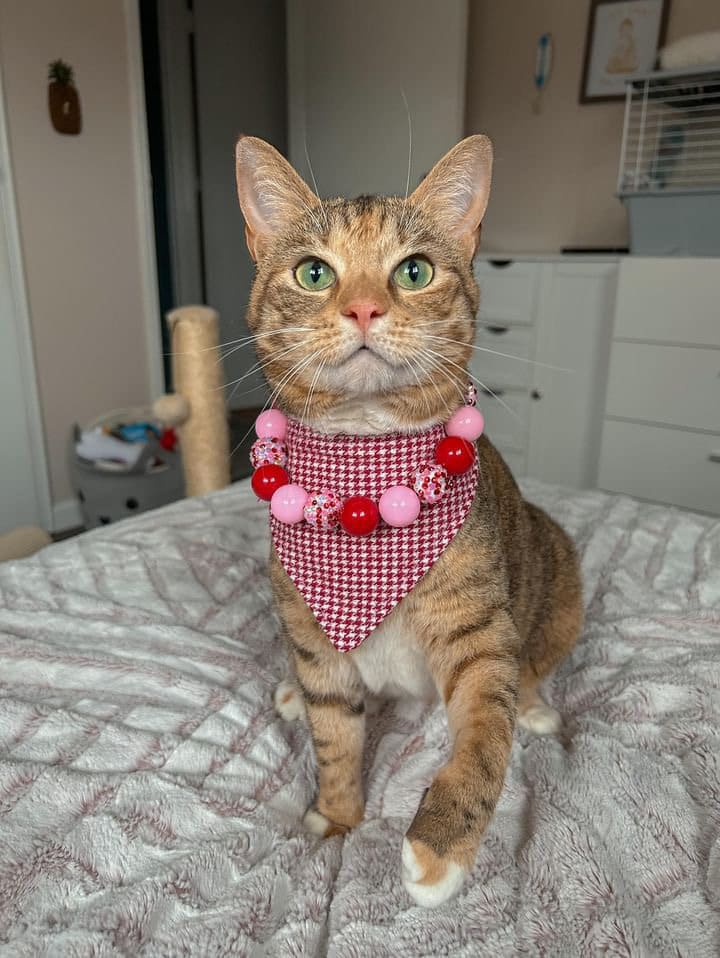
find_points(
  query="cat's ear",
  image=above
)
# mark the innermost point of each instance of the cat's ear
(271, 193)
(457, 189)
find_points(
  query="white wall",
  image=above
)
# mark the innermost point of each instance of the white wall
(80, 221)
(349, 63)
(555, 173)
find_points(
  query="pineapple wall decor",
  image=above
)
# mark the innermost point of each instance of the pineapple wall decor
(63, 99)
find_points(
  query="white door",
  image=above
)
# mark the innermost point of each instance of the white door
(24, 492)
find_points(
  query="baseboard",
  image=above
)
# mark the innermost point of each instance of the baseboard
(66, 515)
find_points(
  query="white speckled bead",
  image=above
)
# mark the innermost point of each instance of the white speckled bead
(268, 452)
(322, 509)
(430, 482)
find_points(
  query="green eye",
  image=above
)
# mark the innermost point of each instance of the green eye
(413, 273)
(313, 274)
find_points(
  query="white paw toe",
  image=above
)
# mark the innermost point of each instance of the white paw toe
(289, 702)
(315, 822)
(425, 894)
(540, 719)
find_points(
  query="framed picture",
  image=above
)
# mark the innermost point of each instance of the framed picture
(623, 38)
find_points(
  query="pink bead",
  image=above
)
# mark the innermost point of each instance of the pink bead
(288, 502)
(430, 482)
(399, 506)
(467, 423)
(268, 452)
(322, 509)
(271, 424)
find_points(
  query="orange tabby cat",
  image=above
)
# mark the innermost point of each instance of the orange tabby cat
(502, 605)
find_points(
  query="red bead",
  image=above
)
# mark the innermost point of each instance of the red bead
(359, 516)
(455, 454)
(266, 479)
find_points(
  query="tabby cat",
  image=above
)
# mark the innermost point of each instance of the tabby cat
(502, 605)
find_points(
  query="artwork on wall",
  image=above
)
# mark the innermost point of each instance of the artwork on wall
(623, 38)
(63, 99)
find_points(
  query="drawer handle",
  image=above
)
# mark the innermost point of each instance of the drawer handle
(492, 393)
(500, 263)
(497, 330)
(714, 457)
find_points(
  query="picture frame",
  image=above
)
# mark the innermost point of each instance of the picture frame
(623, 38)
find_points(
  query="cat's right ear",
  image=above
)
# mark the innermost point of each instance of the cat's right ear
(271, 193)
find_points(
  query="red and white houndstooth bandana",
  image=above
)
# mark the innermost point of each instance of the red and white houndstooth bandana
(349, 582)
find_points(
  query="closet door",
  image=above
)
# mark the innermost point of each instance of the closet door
(349, 64)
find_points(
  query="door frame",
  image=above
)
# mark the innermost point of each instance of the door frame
(182, 173)
(19, 318)
(143, 200)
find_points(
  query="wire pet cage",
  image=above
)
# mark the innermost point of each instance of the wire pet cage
(669, 176)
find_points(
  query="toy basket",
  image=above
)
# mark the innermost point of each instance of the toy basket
(109, 494)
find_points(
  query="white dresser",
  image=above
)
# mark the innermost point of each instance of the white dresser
(550, 311)
(661, 432)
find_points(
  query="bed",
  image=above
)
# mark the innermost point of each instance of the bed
(151, 800)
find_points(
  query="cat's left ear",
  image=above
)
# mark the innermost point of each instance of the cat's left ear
(271, 193)
(457, 189)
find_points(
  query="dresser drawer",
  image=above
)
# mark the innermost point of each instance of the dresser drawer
(676, 385)
(507, 293)
(513, 341)
(669, 300)
(665, 465)
(506, 427)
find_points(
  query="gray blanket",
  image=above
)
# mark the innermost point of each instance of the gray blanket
(150, 799)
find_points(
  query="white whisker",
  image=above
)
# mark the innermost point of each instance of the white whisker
(479, 382)
(495, 352)
(294, 370)
(410, 144)
(259, 365)
(249, 340)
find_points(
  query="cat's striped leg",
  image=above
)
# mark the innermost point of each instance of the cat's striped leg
(335, 708)
(476, 670)
(333, 700)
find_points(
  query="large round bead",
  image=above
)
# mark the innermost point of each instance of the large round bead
(430, 482)
(399, 506)
(271, 424)
(288, 503)
(455, 454)
(359, 516)
(322, 509)
(266, 480)
(268, 452)
(467, 423)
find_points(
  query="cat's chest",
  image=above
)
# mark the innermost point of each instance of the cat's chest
(391, 662)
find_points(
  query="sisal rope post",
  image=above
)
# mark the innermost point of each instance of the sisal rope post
(204, 435)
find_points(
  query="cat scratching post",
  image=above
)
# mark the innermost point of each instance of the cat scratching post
(198, 408)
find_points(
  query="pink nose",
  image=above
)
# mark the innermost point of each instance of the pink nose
(364, 312)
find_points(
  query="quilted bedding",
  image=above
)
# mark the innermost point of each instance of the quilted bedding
(150, 799)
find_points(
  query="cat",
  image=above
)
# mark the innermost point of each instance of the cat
(502, 606)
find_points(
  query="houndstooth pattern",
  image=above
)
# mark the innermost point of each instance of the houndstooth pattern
(352, 583)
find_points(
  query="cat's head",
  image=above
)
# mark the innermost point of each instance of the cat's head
(364, 309)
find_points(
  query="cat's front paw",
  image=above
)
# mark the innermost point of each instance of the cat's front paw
(429, 879)
(288, 701)
(319, 824)
(540, 719)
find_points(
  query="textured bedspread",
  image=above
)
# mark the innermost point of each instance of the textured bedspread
(150, 800)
